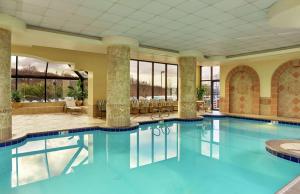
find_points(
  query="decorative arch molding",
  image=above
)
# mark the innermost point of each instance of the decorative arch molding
(289, 84)
(255, 87)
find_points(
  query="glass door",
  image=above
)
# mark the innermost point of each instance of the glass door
(215, 95)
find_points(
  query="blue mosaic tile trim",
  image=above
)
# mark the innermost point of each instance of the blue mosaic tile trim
(63, 132)
(237, 117)
(77, 130)
(283, 156)
(171, 120)
(215, 116)
(288, 123)
(249, 118)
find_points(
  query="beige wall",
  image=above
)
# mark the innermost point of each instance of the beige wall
(264, 66)
(198, 76)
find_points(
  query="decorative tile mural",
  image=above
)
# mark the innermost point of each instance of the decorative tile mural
(286, 90)
(242, 91)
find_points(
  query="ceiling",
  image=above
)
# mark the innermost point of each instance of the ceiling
(215, 27)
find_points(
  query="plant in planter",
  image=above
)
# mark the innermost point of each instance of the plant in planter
(78, 93)
(200, 93)
(16, 98)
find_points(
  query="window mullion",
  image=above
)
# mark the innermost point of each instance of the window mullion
(46, 71)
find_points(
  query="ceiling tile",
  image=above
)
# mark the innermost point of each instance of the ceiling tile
(226, 5)
(155, 7)
(97, 4)
(121, 10)
(191, 6)
(212, 26)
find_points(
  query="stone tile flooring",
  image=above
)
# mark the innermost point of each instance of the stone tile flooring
(23, 124)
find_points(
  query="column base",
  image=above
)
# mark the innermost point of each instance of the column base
(118, 115)
(187, 110)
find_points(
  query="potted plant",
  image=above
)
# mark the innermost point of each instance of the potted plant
(200, 94)
(16, 98)
(78, 93)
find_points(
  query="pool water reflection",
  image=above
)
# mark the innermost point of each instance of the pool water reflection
(211, 156)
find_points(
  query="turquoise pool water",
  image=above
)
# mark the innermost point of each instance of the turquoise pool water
(222, 155)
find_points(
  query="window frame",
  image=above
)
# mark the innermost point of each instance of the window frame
(212, 81)
(152, 78)
(45, 77)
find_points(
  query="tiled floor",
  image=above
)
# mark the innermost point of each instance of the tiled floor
(23, 124)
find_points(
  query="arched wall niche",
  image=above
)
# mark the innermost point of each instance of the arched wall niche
(285, 90)
(242, 91)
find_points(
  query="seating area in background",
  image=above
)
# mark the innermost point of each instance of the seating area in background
(71, 107)
(152, 106)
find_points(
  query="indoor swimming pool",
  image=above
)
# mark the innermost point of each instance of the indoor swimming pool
(216, 155)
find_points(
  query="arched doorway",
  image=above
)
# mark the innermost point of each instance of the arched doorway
(242, 91)
(286, 90)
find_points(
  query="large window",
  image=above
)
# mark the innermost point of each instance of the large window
(153, 80)
(40, 81)
(172, 82)
(210, 80)
(145, 80)
(159, 81)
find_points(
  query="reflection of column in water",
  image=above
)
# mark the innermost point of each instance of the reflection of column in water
(178, 142)
(154, 145)
(90, 148)
(99, 141)
(6, 180)
(106, 147)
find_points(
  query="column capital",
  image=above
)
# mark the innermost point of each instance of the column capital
(120, 40)
(10, 23)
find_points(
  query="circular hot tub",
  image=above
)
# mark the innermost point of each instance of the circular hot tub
(286, 149)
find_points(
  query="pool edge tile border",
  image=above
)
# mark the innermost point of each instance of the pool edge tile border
(134, 126)
(283, 155)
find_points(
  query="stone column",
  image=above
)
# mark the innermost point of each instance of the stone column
(187, 85)
(5, 85)
(118, 81)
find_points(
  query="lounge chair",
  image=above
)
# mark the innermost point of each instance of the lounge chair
(71, 107)
(134, 107)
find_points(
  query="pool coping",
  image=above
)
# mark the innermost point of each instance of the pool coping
(248, 117)
(273, 147)
(132, 127)
(291, 188)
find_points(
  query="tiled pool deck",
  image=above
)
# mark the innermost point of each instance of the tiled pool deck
(23, 124)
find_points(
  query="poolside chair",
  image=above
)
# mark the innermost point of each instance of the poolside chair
(70, 105)
(153, 106)
(101, 105)
(134, 106)
(175, 105)
(144, 106)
